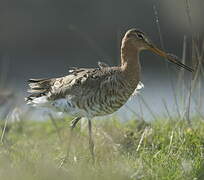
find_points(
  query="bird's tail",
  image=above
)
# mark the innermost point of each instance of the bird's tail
(39, 89)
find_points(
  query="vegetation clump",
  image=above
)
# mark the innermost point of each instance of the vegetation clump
(161, 149)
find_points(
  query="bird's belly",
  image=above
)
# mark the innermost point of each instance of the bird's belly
(107, 105)
(67, 106)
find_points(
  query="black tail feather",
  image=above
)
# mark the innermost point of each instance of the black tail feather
(38, 88)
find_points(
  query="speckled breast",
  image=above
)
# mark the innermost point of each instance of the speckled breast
(104, 102)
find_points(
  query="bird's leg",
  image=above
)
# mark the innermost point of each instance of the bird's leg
(56, 126)
(74, 122)
(91, 142)
(72, 126)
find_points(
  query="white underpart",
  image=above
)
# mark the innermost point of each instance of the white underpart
(66, 105)
(40, 101)
(139, 86)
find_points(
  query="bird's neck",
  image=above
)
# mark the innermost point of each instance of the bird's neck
(130, 64)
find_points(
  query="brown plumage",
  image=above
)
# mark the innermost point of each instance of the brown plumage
(98, 91)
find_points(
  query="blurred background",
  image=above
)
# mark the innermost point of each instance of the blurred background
(43, 38)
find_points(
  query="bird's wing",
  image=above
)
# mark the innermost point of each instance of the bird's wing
(76, 83)
(102, 65)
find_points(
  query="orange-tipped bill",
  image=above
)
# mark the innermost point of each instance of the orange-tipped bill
(172, 58)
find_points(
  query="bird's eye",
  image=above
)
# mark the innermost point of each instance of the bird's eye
(140, 36)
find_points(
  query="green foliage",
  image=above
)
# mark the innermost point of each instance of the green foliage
(163, 150)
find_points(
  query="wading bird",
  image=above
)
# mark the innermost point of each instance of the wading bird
(90, 92)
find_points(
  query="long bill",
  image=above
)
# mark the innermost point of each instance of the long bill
(170, 57)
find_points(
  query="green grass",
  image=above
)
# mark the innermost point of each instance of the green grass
(163, 150)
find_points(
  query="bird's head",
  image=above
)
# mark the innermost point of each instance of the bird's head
(139, 41)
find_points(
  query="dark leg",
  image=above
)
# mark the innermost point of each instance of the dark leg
(91, 142)
(74, 122)
(55, 125)
(72, 126)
